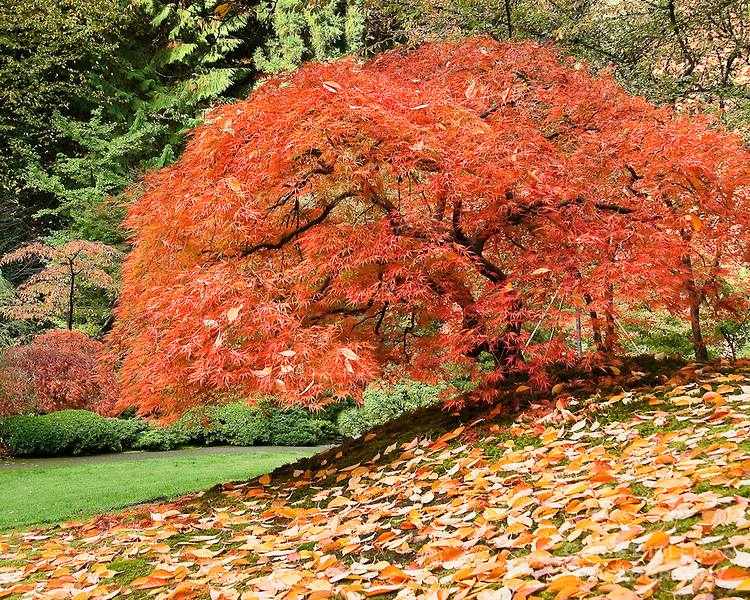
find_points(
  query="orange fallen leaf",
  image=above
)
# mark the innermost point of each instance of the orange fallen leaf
(145, 583)
(617, 592)
(658, 539)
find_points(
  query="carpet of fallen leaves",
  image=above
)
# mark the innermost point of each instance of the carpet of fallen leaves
(640, 494)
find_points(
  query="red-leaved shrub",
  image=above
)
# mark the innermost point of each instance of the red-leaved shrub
(59, 370)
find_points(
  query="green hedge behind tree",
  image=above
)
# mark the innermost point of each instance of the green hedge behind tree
(74, 432)
(67, 432)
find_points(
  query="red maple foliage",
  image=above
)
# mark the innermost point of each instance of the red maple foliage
(423, 209)
(59, 370)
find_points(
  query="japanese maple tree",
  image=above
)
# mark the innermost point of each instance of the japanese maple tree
(52, 292)
(422, 209)
(58, 370)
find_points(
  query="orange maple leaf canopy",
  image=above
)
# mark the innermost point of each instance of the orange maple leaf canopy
(414, 210)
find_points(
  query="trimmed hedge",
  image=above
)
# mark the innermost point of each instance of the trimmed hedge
(264, 424)
(82, 432)
(61, 433)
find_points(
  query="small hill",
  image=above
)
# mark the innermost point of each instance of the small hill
(617, 493)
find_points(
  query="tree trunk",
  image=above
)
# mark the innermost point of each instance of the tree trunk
(508, 17)
(596, 326)
(695, 299)
(611, 330)
(71, 297)
(701, 352)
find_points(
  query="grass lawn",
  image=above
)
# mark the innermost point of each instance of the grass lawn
(55, 494)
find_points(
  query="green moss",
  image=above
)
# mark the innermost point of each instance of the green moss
(639, 490)
(569, 548)
(129, 570)
(178, 538)
(306, 546)
(685, 525)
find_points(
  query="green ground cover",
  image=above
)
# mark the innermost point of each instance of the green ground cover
(62, 493)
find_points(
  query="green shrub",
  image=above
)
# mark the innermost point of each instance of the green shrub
(83, 432)
(188, 429)
(236, 424)
(61, 433)
(383, 403)
(266, 424)
(291, 427)
(155, 440)
(326, 429)
(129, 430)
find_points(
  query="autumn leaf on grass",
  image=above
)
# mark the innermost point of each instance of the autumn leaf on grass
(658, 539)
(618, 592)
(503, 593)
(731, 578)
(145, 583)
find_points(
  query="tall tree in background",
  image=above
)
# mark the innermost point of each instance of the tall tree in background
(78, 78)
(48, 52)
(425, 209)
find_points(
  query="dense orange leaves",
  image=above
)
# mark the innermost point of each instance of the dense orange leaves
(418, 209)
(501, 519)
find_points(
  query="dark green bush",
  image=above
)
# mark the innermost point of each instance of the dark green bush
(188, 429)
(266, 424)
(64, 432)
(291, 427)
(82, 432)
(236, 424)
(326, 429)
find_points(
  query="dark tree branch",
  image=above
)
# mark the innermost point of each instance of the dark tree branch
(291, 235)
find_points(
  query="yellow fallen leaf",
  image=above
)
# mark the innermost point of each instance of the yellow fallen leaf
(291, 578)
(674, 483)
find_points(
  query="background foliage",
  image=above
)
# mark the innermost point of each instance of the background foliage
(381, 404)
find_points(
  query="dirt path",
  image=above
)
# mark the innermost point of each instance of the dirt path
(8, 464)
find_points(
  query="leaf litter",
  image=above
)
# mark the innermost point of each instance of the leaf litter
(644, 493)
